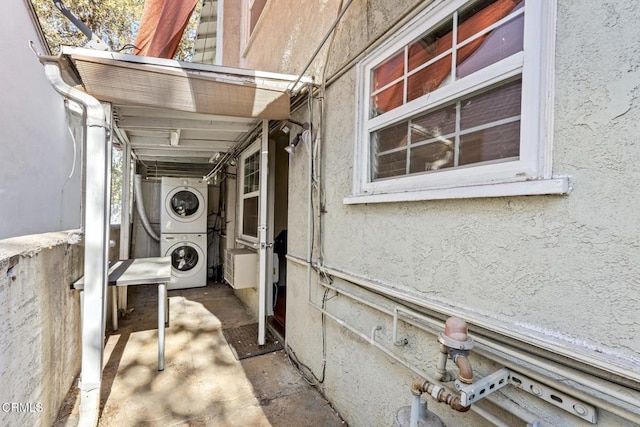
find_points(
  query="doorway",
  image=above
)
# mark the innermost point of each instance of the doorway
(280, 190)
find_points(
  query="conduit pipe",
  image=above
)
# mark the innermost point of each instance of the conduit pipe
(137, 188)
(484, 351)
(489, 352)
(617, 369)
(519, 412)
(456, 342)
(322, 42)
(440, 394)
(96, 237)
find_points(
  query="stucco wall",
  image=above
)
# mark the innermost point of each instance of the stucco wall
(40, 317)
(560, 269)
(37, 155)
(522, 261)
(293, 32)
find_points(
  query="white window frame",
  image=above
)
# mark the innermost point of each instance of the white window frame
(251, 150)
(530, 174)
(248, 31)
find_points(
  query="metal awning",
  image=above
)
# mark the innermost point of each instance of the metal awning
(178, 112)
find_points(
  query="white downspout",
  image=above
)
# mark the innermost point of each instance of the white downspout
(262, 282)
(96, 239)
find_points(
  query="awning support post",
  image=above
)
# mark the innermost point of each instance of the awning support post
(264, 246)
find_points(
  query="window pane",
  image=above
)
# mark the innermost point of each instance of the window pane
(500, 142)
(429, 79)
(388, 165)
(251, 173)
(500, 43)
(483, 14)
(432, 156)
(388, 71)
(499, 103)
(387, 100)
(433, 125)
(389, 138)
(250, 216)
(430, 45)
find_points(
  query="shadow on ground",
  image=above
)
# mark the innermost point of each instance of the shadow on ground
(202, 383)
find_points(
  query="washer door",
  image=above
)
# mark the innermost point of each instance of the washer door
(186, 258)
(185, 204)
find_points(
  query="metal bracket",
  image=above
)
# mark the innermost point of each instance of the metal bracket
(471, 393)
(555, 397)
(264, 245)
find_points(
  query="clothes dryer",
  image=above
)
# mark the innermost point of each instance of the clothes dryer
(184, 205)
(188, 254)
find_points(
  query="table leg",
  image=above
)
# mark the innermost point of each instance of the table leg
(114, 307)
(162, 302)
(166, 312)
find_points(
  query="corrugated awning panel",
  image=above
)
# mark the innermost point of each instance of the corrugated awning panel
(146, 85)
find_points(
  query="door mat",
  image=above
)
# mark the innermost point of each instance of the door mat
(243, 341)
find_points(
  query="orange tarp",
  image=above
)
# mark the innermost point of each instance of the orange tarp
(161, 27)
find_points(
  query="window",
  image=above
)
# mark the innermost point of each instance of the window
(255, 11)
(250, 193)
(457, 105)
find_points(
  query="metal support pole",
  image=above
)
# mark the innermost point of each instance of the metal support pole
(125, 222)
(162, 316)
(264, 174)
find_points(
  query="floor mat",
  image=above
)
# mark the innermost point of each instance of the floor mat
(243, 341)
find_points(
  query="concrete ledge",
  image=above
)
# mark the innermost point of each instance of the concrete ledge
(40, 343)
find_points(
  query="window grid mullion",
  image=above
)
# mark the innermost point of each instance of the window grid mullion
(454, 46)
(408, 147)
(429, 62)
(404, 75)
(387, 86)
(456, 146)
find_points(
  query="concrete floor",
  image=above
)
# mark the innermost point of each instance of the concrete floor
(202, 384)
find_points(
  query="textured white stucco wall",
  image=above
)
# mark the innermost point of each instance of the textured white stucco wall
(40, 317)
(523, 261)
(561, 269)
(37, 191)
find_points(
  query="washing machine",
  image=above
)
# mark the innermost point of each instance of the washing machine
(183, 205)
(188, 254)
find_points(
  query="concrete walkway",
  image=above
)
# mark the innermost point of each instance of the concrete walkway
(202, 384)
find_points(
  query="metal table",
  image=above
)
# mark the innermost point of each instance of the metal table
(142, 271)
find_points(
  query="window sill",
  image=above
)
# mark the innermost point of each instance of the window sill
(557, 186)
(247, 243)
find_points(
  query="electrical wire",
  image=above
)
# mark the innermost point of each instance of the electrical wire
(128, 46)
(315, 152)
(303, 370)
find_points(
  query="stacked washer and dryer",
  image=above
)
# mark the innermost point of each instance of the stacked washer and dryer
(183, 228)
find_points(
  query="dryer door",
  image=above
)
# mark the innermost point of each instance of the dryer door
(185, 204)
(186, 258)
